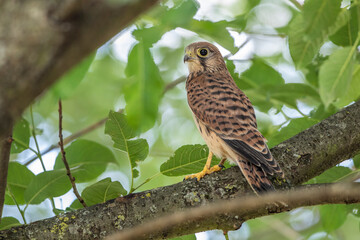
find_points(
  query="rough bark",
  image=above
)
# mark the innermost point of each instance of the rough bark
(302, 157)
(40, 40)
(245, 208)
(5, 147)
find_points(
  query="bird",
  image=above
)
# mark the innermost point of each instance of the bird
(226, 119)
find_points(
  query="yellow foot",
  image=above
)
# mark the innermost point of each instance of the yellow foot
(204, 172)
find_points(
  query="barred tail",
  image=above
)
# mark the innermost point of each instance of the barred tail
(255, 176)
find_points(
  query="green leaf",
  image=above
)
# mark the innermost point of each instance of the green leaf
(302, 49)
(332, 216)
(356, 161)
(57, 211)
(336, 74)
(86, 159)
(320, 113)
(120, 131)
(347, 34)
(47, 184)
(331, 175)
(149, 35)
(67, 84)
(353, 92)
(9, 222)
(308, 31)
(145, 90)
(186, 159)
(294, 127)
(268, 96)
(102, 191)
(75, 205)
(167, 19)
(319, 17)
(21, 133)
(266, 88)
(218, 31)
(291, 92)
(181, 15)
(19, 177)
(354, 209)
(261, 74)
(312, 70)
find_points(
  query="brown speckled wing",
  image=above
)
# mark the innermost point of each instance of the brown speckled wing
(221, 106)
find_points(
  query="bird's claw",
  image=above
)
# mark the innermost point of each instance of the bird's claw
(204, 172)
(221, 166)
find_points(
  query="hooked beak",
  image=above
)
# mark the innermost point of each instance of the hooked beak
(188, 57)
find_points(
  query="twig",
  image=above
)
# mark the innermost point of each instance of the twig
(5, 146)
(281, 228)
(244, 207)
(247, 40)
(258, 34)
(172, 84)
(61, 144)
(96, 125)
(70, 138)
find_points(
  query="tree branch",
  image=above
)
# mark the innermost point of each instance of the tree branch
(302, 157)
(173, 84)
(44, 39)
(5, 147)
(245, 208)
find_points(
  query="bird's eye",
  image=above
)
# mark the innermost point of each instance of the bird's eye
(202, 52)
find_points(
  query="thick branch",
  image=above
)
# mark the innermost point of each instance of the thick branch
(44, 39)
(5, 147)
(302, 157)
(245, 208)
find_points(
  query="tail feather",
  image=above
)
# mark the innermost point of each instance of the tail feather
(255, 176)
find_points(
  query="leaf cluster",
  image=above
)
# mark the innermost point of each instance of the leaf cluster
(152, 140)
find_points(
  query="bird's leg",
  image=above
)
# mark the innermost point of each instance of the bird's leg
(207, 169)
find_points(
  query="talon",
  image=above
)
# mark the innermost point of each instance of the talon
(204, 172)
(221, 166)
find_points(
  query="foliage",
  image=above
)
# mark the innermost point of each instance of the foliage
(308, 70)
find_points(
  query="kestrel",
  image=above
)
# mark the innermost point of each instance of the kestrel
(226, 119)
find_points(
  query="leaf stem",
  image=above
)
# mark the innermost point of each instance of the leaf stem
(146, 181)
(35, 139)
(297, 4)
(18, 141)
(22, 212)
(350, 177)
(38, 152)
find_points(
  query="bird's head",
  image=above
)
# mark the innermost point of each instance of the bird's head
(203, 57)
